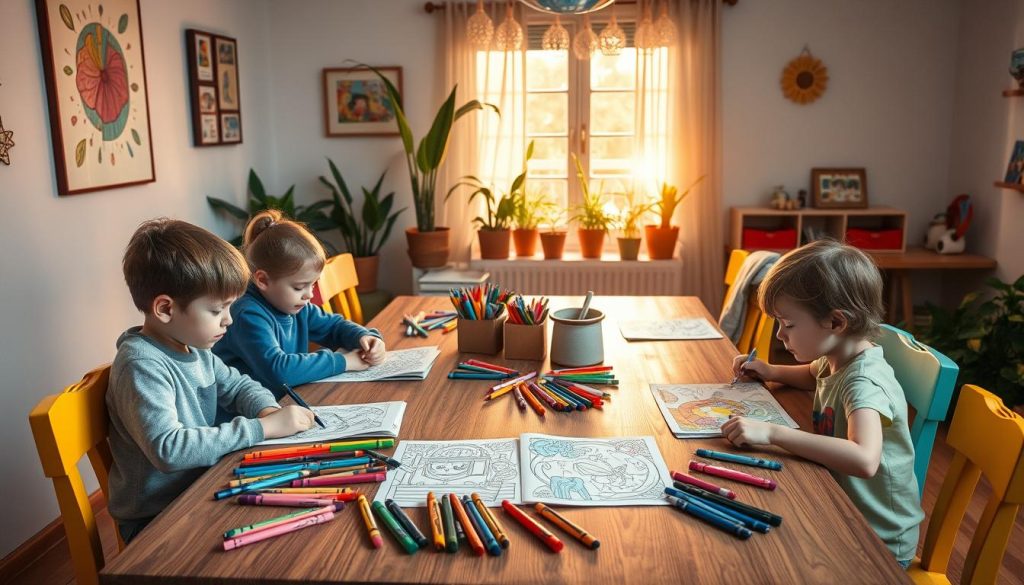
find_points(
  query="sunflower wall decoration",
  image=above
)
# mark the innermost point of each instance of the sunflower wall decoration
(805, 78)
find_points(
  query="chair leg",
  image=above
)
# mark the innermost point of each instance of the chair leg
(986, 553)
(948, 512)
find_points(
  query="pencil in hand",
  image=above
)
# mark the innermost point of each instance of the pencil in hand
(298, 400)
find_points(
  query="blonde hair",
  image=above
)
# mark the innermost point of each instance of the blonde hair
(183, 261)
(826, 276)
(280, 246)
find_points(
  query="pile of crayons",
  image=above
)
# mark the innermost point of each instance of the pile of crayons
(481, 370)
(485, 301)
(563, 396)
(521, 313)
(423, 323)
(600, 375)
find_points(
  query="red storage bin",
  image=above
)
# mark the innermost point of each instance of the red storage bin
(754, 239)
(875, 239)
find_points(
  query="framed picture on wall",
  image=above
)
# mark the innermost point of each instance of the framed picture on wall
(356, 102)
(213, 87)
(98, 97)
(839, 188)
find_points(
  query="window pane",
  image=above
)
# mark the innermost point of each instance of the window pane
(611, 156)
(547, 70)
(550, 156)
(611, 112)
(555, 190)
(547, 113)
(618, 72)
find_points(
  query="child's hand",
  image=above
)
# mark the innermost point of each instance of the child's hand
(756, 369)
(286, 421)
(354, 361)
(373, 349)
(745, 432)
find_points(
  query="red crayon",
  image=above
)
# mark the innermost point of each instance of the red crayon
(301, 458)
(761, 482)
(339, 480)
(293, 501)
(481, 364)
(689, 479)
(533, 526)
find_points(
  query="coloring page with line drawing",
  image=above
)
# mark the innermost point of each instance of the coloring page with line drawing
(399, 364)
(672, 329)
(350, 421)
(489, 467)
(700, 410)
(614, 471)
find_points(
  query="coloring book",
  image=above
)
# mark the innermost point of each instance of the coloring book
(573, 471)
(672, 329)
(399, 364)
(699, 410)
(349, 421)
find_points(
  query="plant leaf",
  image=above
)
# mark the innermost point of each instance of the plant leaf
(222, 205)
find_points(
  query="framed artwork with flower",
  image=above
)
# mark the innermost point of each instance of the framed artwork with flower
(356, 102)
(95, 71)
(213, 87)
(839, 188)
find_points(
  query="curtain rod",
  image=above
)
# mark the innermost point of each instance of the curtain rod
(430, 7)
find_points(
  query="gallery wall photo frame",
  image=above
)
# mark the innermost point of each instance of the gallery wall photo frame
(357, 103)
(213, 88)
(95, 70)
(839, 188)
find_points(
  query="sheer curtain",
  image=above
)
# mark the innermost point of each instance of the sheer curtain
(680, 138)
(482, 143)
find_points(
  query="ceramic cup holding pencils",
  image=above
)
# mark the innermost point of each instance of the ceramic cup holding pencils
(577, 342)
(481, 335)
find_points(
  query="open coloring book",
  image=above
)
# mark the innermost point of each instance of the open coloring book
(350, 421)
(399, 364)
(574, 471)
(699, 410)
(672, 329)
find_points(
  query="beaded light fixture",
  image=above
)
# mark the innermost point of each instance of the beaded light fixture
(509, 34)
(668, 35)
(612, 39)
(556, 38)
(646, 35)
(480, 28)
(585, 42)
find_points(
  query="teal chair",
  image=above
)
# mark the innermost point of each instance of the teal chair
(927, 378)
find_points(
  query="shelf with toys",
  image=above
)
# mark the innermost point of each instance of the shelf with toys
(878, 229)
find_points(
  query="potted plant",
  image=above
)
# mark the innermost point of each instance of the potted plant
(591, 217)
(629, 221)
(661, 240)
(428, 243)
(552, 241)
(313, 215)
(527, 213)
(364, 234)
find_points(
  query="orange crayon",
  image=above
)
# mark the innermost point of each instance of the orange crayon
(467, 526)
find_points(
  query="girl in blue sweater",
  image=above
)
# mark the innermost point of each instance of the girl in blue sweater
(274, 320)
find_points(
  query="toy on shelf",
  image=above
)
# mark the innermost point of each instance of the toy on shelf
(949, 239)
(781, 199)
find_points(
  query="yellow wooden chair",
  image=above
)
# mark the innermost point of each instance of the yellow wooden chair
(988, 438)
(67, 426)
(758, 327)
(338, 288)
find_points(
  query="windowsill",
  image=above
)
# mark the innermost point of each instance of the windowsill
(569, 257)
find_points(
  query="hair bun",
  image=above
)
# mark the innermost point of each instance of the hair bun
(260, 223)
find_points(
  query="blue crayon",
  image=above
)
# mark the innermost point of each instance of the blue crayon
(741, 459)
(751, 523)
(715, 520)
(574, 402)
(263, 483)
(490, 543)
(252, 470)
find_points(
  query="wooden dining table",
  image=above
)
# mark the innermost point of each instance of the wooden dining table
(822, 539)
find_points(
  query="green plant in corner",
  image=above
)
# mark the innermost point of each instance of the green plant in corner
(312, 215)
(985, 338)
(590, 214)
(670, 199)
(364, 234)
(500, 211)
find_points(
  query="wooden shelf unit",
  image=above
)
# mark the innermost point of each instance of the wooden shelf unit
(1014, 186)
(829, 222)
(1013, 92)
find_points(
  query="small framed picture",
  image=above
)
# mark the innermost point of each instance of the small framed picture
(231, 127)
(227, 73)
(204, 59)
(1015, 170)
(839, 188)
(207, 99)
(210, 125)
(213, 86)
(356, 102)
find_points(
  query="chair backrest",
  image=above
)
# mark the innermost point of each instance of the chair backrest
(928, 379)
(67, 426)
(757, 326)
(988, 439)
(338, 284)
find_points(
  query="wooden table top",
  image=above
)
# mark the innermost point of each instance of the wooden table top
(924, 259)
(823, 538)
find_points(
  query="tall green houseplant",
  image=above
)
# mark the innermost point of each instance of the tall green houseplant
(366, 232)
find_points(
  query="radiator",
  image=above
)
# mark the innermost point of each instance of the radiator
(575, 276)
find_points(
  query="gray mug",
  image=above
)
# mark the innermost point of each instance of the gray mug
(577, 342)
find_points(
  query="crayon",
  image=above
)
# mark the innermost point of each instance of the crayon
(520, 401)
(741, 459)
(513, 381)
(272, 522)
(534, 403)
(263, 483)
(490, 543)
(410, 527)
(757, 513)
(395, 528)
(451, 536)
(319, 448)
(370, 444)
(715, 520)
(340, 480)
(573, 401)
(298, 400)
(293, 501)
(436, 523)
(761, 482)
(499, 393)
(751, 523)
(320, 490)
(391, 463)
(274, 468)
(301, 458)
(492, 523)
(490, 366)
(470, 369)
(587, 369)
(539, 392)
(568, 527)
(479, 367)
(467, 527)
(458, 375)
(326, 473)
(460, 533)
(724, 492)
(257, 536)
(535, 528)
(415, 326)
(371, 525)
(751, 357)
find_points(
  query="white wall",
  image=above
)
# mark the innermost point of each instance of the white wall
(63, 300)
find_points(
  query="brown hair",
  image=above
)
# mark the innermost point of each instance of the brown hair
(280, 246)
(826, 276)
(183, 261)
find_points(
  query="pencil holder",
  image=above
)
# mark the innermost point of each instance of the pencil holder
(526, 342)
(577, 342)
(480, 336)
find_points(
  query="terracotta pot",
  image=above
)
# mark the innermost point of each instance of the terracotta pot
(629, 248)
(553, 244)
(494, 244)
(591, 242)
(366, 271)
(427, 249)
(525, 241)
(661, 242)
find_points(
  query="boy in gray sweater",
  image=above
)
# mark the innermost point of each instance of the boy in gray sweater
(166, 384)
